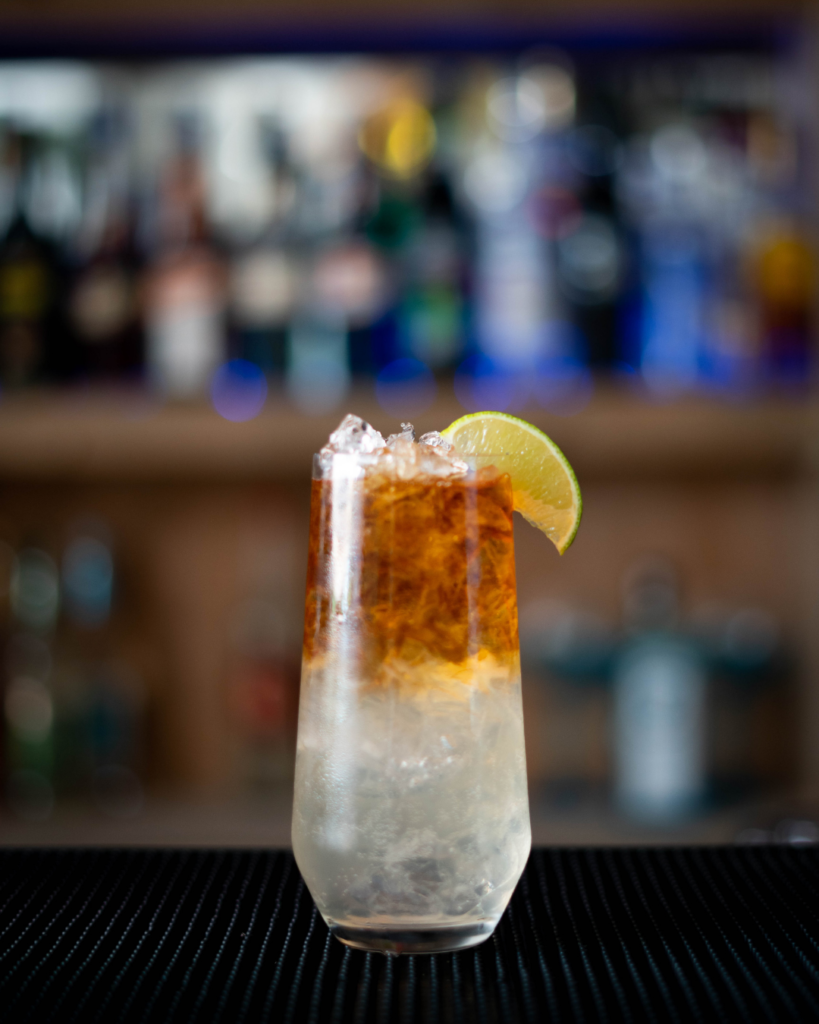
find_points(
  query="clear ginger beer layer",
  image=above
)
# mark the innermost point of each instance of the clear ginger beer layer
(411, 819)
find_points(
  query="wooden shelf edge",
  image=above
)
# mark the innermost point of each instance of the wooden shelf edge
(106, 436)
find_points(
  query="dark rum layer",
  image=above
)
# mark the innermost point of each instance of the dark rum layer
(431, 568)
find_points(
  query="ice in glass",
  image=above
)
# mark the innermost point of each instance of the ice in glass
(411, 818)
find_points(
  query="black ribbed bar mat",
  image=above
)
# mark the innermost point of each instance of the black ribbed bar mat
(231, 936)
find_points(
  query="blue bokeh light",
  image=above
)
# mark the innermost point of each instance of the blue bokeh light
(563, 386)
(405, 387)
(482, 383)
(238, 390)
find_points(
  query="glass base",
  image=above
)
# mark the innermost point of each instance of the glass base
(396, 940)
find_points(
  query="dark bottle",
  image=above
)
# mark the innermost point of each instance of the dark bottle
(432, 312)
(33, 343)
(102, 303)
(591, 254)
(264, 280)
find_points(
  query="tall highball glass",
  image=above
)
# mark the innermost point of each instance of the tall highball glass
(411, 817)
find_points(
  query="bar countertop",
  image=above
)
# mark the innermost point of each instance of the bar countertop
(606, 934)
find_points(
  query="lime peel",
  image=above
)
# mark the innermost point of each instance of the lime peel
(544, 486)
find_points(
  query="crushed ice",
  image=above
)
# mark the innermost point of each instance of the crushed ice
(433, 439)
(353, 435)
(407, 434)
(402, 454)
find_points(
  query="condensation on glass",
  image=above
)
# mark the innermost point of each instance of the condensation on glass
(411, 818)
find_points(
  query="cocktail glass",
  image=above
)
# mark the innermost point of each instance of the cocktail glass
(411, 817)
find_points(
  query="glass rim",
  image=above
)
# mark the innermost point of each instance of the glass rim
(382, 452)
(335, 465)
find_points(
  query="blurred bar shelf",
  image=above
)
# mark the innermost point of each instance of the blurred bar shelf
(130, 436)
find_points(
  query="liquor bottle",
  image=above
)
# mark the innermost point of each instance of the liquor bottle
(318, 373)
(432, 312)
(32, 342)
(88, 579)
(659, 704)
(102, 303)
(114, 727)
(263, 278)
(590, 260)
(263, 686)
(785, 272)
(346, 291)
(29, 713)
(184, 295)
(389, 216)
(263, 674)
(99, 698)
(515, 289)
(674, 295)
(81, 644)
(6, 565)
